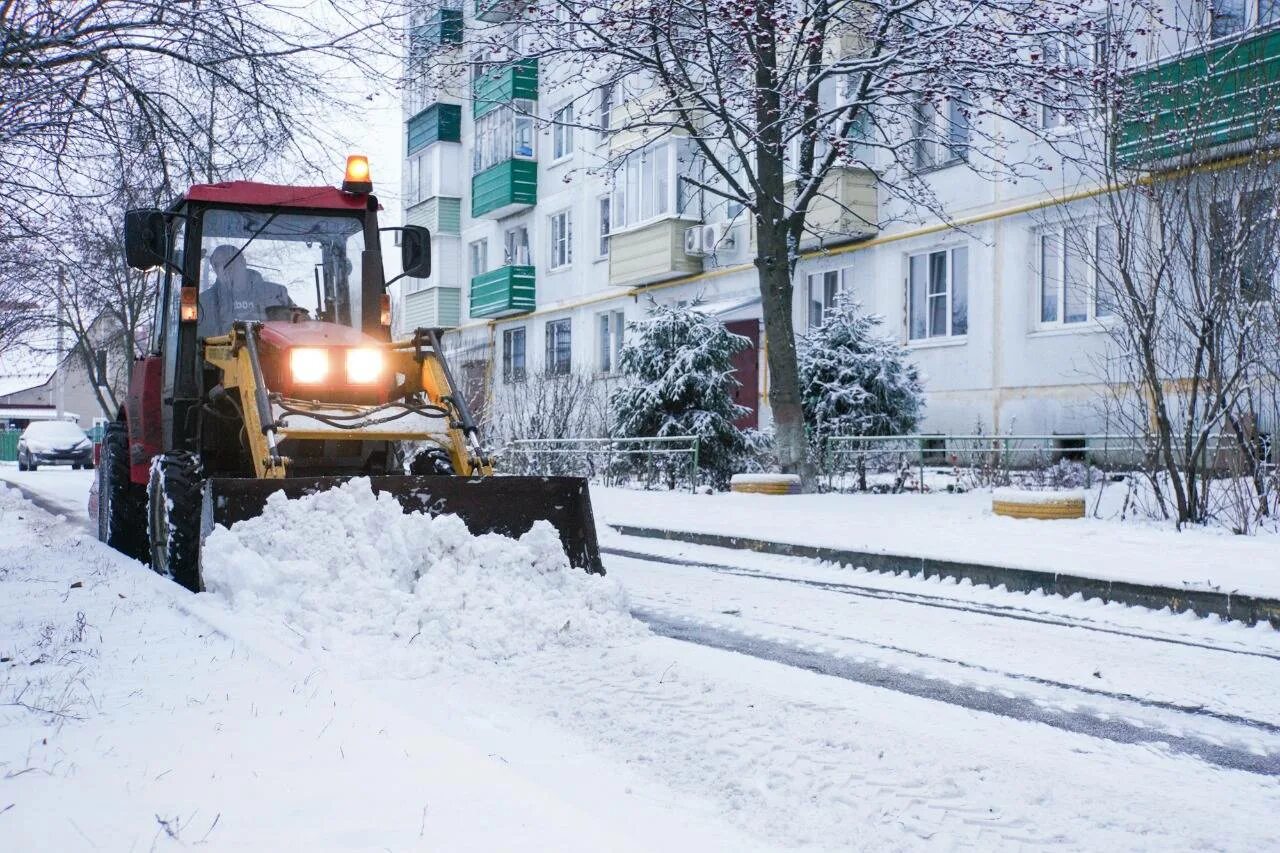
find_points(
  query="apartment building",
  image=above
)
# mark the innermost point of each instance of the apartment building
(542, 257)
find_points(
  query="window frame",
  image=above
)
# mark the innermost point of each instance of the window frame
(511, 372)
(604, 220)
(933, 133)
(478, 257)
(559, 340)
(511, 249)
(562, 119)
(610, 330)
(560, 240)
(1065, 253)
(948, 295)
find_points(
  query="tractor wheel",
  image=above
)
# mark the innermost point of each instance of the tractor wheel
(122, 504)
(434, 461)
(174, 499)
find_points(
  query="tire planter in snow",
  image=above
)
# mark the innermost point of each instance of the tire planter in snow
(766, 484)
(1020, 503)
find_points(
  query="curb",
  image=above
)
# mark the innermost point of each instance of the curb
(1242, 608)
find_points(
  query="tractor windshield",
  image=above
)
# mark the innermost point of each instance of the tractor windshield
(258, 265)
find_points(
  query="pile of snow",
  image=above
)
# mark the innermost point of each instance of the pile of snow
(350, 571)
(1045, 498)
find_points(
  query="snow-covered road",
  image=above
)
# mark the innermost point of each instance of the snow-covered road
(857, 712)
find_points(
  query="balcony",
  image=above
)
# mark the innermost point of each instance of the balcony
(1204, 105)
(651, 253)
(504, 189)
(434, 307)
(437, 123)
(515, 81)
(844, 211)
(503, 292)
(442, 29)
(497, 11)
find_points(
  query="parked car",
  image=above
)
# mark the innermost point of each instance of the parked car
(54, 443)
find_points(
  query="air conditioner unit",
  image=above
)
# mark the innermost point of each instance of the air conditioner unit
(693, 245)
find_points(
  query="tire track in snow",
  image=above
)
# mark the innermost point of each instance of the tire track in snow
(1002, 611)
(974, 698)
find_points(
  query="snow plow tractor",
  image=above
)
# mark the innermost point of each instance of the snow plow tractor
(271, 368)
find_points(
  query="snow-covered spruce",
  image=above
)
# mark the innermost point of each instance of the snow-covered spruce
(680, 365)
(854, 380)
(349, 571)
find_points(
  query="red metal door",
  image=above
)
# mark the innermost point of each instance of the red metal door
(746, 365)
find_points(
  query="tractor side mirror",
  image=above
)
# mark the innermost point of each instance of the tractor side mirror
(415, 251)
(144, 238)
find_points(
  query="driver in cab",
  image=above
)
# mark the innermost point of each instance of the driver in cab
(237, 293)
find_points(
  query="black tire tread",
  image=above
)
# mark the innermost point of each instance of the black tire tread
(125, 502)
(178, 477)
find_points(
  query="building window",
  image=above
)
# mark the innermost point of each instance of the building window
(1242, 243)
(513, 355)
(649, 184)
(559, 346)
(561, 240)
(1076, 265)
(610, 326)
(824, 287)
(479, 254)
(419, 183)
(562, 133)
(602, 234)
(1066, 98)
(940, 132)
(503, 134)
(938, 294)
(605, 124)
(515, 247)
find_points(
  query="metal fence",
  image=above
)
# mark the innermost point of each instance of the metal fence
(9, 445)
(991, 457)
(670, 461)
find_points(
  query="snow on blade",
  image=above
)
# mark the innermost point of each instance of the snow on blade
(346, 567)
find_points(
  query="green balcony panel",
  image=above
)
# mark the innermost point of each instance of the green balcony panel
(443, 29)
(437, 123)
(503, 292)
(518, 80)
(1219, 100)
(497, 11)
(506, 188)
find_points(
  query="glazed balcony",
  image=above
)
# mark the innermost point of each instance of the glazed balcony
(511, 82)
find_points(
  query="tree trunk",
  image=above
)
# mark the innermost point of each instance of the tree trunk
(774, 273)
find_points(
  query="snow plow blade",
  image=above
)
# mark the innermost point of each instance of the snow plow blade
(506, 505)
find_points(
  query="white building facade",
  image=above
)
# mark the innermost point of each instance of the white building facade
(541, 258)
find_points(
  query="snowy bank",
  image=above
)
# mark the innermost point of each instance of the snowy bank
(962, 527)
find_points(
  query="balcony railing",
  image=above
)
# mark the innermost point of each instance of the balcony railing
(514, 81)
(437, 123)
(505, 188)
(1217, 101)
(503, 292)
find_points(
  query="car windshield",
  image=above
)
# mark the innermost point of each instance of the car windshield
(59, 431)
(252, 261)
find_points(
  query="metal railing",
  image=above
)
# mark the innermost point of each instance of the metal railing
(669, 460)
(850, 454)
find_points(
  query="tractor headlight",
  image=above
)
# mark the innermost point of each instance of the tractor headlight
(364, 366)
(309, 365)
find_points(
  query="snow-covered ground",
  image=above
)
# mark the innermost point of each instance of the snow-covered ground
(962, 527)
(364, 682)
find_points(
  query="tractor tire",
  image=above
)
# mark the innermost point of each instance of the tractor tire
(432, 462)
(122, 515)
(174, 496)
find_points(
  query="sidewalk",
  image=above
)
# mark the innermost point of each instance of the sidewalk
(957, 535)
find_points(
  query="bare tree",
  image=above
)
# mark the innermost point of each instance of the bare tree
(784, 104)
(1185, 251)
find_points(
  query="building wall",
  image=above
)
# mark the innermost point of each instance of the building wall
(1008, 372)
